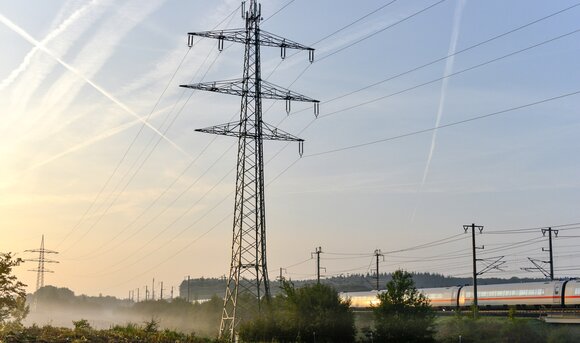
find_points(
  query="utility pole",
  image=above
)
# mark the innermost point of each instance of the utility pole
(153, 289)
(146, 293)
(188, 288)
(474, 248)
(281, 277)
(318, 251)
(161, 294)
(550, 231)
(377, 255)
(40, 270)
(248, 267)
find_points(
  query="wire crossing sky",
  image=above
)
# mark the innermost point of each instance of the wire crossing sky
(98, 150)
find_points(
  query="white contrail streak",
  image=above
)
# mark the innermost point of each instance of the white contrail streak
(93, 140)
(109, 96)
(53, 34)
(448, 70)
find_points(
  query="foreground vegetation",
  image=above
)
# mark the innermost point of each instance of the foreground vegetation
(509, 330)
(311, 313)
(445, 330)
(148, 332)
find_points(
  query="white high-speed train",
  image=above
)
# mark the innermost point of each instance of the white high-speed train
(565, 293)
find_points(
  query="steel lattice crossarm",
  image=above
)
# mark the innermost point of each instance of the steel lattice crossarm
(240, 36)
(268, 90)
(236, 87)
(234, 129)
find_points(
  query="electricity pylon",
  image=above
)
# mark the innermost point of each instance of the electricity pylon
(248, 268)
(40, 270)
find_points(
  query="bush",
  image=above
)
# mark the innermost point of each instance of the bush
(403, 313)
(82, 325)
(313, 313)
(129, 333)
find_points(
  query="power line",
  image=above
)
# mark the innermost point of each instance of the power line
(124, 156)
(355, 22)
(381, 30)
(358, 20)
(413, 133)
(294, 162)
(532, 229)
(471, 47)
(453, 74)
(279, 10)
(330, 35)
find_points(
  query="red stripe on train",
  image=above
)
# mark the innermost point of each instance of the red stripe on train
(517, 298)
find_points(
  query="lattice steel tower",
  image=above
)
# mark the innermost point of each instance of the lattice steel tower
(40, 270)
(248, 268)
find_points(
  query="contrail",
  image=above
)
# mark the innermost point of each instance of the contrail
(109, 96)
(53, 34)
(448, 69)
(93, 140)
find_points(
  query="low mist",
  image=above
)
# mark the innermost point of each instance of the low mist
(59, 307)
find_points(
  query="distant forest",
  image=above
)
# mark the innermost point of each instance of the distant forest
(205, 288)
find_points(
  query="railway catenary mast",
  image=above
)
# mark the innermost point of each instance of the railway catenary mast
(248, 267)
(474, 248)
(550, 249)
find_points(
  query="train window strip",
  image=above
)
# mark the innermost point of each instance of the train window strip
(510, 293)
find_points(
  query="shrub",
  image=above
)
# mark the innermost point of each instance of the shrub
(403, 313)
(313, 313)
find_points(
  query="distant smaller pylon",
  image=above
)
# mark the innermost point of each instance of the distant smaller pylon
(40, 270)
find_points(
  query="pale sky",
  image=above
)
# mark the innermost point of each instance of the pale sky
(77, 78)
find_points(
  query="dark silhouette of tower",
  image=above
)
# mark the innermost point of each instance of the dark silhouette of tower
(248, 269)
(40, 270)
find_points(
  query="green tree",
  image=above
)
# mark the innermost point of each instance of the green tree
(403, 313)
(12, 293)
(313, 313)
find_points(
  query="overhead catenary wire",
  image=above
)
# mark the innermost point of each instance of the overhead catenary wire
(531, 230)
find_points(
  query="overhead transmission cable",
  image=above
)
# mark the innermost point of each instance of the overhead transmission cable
(123, 183)
(423, 84)
(191, 163)
(380, 30)
(474, 118)
(132, 143)
(429, 130)
(278, 11)
(176, 179)
(327, 36)
(124, 156)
